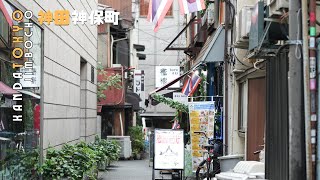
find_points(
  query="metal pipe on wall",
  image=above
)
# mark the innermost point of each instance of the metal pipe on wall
(313, 85)
(304, 11)
(318, 111)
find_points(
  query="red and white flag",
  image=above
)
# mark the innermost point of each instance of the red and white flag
(190, 6)
(157, 11)
(191, 84)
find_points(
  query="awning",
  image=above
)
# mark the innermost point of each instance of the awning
(167, 95)
(133, 99)
(6, 10)
(141, 56)
(6, 90)
(158, 114)
(30, 94)
(104, 107)
(214, 48)
(179, 48)
(139, 47)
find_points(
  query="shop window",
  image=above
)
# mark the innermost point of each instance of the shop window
(18, 136)
(4, 31)
(241, 107)
(144, 7)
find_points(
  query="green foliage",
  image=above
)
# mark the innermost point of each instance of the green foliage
(28, 114)
(26, 161)
(110, 148)
(139, 120)
(73, 161)
(170, 102)
(137, 139)
(113, 80)
(76, 161)
(202, 87)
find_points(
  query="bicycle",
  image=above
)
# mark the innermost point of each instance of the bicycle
(211, 165)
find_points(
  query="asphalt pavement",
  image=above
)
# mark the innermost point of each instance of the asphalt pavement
(128, 170)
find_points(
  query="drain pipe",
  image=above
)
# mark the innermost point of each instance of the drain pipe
(304, 11)
(313, 85)
(318, 112)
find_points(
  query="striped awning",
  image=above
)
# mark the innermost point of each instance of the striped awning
(6, 90)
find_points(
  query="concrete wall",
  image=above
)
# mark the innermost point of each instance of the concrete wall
(155, 43)
(237, 141)
(68, 117)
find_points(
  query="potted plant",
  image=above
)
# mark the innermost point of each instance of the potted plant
(137, 141)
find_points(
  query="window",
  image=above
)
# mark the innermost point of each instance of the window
(144, 7)
(241, 108)
(92, 74)
(4, 29)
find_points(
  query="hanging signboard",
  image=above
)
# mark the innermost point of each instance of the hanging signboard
(180, 97)
(138, 85)
(165, 74)
(168, 149)
(201, 115)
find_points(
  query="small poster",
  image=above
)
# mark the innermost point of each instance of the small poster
(168, 149)
(201, 115)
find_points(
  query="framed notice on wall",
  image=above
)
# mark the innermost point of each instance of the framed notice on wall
(168, 149)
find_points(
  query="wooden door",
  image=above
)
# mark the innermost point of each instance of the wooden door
(256, 117)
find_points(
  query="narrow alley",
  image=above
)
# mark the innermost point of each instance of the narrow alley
(128, 170)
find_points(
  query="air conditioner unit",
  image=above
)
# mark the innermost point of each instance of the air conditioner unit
(276, 7)
(116, 65)
(125, 144)
(210, 14)
(243, 26)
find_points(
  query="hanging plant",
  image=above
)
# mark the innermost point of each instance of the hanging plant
(113, 80)
(202, 88)
(170, 102)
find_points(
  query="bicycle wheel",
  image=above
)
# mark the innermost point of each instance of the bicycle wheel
(204, 170)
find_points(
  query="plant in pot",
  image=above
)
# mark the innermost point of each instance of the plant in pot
(113, 150)
(99, 147)
(137, 141)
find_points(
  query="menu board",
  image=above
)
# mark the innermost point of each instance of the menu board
(201, 120)
(168, 149)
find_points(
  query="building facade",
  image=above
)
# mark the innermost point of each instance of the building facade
(68, 55)
(155, 44)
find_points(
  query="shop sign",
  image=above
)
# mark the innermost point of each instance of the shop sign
(180, 97)
(168, 149)
(165, 74)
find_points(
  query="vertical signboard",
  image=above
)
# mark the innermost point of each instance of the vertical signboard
(20, 87)
(165, 74)
(138, 85)
(168, 149)
(201, 115)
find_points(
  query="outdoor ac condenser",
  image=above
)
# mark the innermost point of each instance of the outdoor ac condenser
(276, 7)
(125, 143)
(244, 24)
(210, 14)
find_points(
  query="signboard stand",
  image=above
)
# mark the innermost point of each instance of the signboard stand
(168, 151)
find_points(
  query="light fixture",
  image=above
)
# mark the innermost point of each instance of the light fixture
(205, 73)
